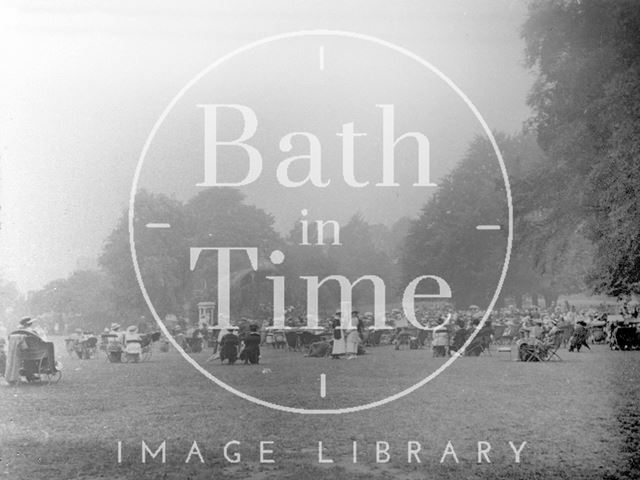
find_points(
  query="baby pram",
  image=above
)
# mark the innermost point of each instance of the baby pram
(624, 337)
(31, 357)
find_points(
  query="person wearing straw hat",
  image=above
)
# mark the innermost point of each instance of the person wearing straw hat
(26, 324)
(133, 343)
(30, 325)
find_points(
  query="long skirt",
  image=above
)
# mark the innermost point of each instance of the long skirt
(339, 347)
(353, 339)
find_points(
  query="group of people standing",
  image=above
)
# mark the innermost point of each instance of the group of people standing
(346, 340)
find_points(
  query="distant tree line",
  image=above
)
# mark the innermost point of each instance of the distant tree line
(214, 218)
(575, 176)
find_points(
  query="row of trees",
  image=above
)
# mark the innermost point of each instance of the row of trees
(215, 218)
(575, 176)
(444, 238)
(442, 241)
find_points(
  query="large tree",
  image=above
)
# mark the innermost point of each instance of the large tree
(359, 255)
(444, 241)
(219, 217)
(213, 218)
(587, 115)
(162, 257)
(363, 250)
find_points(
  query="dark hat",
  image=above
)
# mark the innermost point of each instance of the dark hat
(355, 312)
(253, 327)
(26, 321)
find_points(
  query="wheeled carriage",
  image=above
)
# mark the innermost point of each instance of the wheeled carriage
(31, 357)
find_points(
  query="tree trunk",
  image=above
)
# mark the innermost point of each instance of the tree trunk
(518, 298)
(550, 298)
(534, 299)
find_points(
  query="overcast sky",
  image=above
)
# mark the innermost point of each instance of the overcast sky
(83, 83)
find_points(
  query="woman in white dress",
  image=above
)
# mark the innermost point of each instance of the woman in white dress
(354, 336)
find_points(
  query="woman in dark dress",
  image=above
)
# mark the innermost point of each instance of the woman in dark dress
(251, 352)
(459, 337)
(229, 347)
(579, 337)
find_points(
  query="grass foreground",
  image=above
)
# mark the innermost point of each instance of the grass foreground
(580, 418)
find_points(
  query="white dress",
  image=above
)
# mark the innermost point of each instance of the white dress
(353, 339)
(339, 346)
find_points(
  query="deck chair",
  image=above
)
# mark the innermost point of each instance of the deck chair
(540, 351)
(479, 345)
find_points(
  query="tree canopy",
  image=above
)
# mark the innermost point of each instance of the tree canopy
(80, 300)
(586, 104)
(444, 240)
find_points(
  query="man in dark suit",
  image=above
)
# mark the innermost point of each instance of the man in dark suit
(251, 352)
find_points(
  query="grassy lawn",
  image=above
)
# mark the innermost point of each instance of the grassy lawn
(579, 417)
